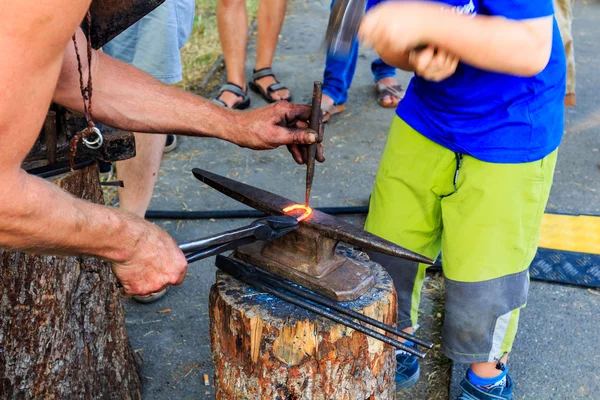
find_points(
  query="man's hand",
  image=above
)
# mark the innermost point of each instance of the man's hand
(433, 64)
(300, 152)
(272, 126)
(278, 124)
(155, 263)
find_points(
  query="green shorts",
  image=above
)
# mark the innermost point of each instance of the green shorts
(484, 218)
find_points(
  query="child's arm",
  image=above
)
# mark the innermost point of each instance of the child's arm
(518, 47)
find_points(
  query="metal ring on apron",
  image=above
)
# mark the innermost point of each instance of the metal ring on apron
(97, 142)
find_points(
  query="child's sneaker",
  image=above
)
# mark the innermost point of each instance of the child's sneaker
(407, 369)
(469, 391)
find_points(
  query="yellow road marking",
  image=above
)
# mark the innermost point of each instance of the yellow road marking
(579, 234)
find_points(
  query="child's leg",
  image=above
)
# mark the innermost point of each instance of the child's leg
(491, 231)
(405, 208)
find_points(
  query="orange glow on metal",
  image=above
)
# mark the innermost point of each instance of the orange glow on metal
(307, 211)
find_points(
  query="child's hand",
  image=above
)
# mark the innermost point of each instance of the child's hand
(393, 27)
(433, 64)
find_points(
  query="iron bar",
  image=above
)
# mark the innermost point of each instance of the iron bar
(233, 268)
(314, 297)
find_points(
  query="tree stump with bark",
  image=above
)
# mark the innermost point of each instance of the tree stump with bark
(266, 348)
(62, 326)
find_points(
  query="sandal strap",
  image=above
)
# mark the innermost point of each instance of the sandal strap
(276, 87)
(219, 102)
(261, 73)
(390, 90)
(233, 88)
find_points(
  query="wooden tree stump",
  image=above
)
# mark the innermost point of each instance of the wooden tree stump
(62, 326)
(265, 348)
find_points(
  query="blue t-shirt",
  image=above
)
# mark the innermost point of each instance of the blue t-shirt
(491, 116)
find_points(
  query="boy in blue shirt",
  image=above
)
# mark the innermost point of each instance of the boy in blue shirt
(468, 166)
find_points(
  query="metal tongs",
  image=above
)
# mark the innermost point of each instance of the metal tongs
(268, 228)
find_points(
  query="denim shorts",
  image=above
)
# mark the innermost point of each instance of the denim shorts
(152, 44)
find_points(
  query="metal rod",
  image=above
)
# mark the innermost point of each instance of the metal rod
(277, 281)
(315, 119)
(233, 268)
(332, 316)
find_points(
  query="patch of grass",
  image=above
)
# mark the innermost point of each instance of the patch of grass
(204, 47)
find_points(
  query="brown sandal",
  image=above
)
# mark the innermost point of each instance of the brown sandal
(384, 90)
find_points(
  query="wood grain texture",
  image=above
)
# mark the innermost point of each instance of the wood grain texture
(62, 327)
(265, 348)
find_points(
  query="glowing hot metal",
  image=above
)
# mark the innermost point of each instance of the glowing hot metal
(307, 211)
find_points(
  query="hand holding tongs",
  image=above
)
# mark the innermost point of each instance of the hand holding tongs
(268, 228)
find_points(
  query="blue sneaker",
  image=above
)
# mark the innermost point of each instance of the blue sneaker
(407, 370)
(471, 392)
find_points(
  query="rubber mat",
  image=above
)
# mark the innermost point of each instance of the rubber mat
(566, 267)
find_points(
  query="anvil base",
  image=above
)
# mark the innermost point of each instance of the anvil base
(347, 281)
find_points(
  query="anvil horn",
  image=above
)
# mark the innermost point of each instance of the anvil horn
(325, 224)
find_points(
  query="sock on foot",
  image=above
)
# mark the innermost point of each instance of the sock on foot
(488, 383)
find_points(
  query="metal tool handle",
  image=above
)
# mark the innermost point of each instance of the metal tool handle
(314, 124)
(344, 20)
(217, 249)
(268, 228)
(218, 239)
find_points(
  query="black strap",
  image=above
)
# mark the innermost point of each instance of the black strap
(233, 88)
(276, 87)
(261, 73)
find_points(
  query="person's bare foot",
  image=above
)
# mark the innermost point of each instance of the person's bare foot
(388, 100)
(267, 81)
(328, 107)
(231, 99)
(326, 102)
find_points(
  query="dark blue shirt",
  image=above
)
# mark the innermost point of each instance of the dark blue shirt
(491, 116)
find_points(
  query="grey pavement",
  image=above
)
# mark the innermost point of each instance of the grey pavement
(557, 347)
